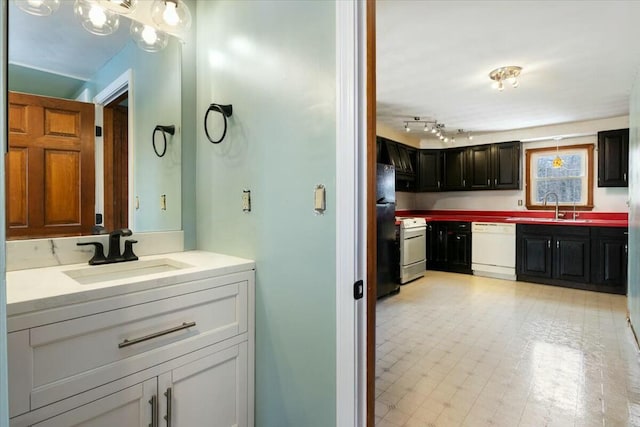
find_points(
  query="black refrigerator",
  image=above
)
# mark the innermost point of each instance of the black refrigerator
(388, 251)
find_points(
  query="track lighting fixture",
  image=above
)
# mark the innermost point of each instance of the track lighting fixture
(509, 73)
(432, 127)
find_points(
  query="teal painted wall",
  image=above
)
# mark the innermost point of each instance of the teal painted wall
(633, 294)
(28, 80)
(275, 62)
(157, 95)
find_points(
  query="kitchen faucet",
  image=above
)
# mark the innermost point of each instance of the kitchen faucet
(546, 196)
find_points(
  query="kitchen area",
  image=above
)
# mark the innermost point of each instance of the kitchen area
(556, 243)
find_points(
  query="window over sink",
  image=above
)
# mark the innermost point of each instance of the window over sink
(564, 171)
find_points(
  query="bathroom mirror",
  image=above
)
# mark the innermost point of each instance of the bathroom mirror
(132, 90)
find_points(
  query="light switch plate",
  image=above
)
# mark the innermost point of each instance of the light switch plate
(246, 200)
(320, 200)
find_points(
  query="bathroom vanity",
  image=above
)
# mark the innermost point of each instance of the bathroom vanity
(164, 341)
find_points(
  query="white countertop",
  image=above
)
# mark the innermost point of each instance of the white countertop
(45, 288)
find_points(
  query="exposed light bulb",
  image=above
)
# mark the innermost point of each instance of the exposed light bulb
(470, 137)
(446, 139)
(515, 83)
(149, 35)
(438, 134)
(170, 14)
(441, 137)
(496, 85)
(426, 128)
(97, 16)
(433, 129)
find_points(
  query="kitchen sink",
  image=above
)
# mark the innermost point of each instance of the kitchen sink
(123, 270)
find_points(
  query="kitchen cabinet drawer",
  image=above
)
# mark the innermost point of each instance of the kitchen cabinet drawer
(68, 357)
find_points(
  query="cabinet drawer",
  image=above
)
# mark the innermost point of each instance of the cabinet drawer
(76, 355)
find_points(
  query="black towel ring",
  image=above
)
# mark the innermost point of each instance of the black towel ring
(171, 130)
(226, 111)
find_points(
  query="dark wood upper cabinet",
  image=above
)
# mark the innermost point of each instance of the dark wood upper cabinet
(429, 170)
(454, 173)
(613, 158)
(479, 174)
(494, 166)
(505, 165)
(403, 158)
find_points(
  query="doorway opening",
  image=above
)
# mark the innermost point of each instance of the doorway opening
(116, 162)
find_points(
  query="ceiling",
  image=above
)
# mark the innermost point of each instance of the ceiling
(59, 44)
(579, 60)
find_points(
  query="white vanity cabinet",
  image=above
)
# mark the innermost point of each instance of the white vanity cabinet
(176, 355)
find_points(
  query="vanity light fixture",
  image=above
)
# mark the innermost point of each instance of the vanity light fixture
(122, 7)
(38, 7)
(148, 38)
(171, 130)
(509, 73)
(95, 18)
(172, 16)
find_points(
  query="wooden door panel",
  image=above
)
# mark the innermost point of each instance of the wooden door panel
(62, 188)
(61, 123)
(17, 191)
(18, 118)
(51, 182)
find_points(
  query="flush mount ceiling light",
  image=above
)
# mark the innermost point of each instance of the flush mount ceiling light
(510, 74)
(171, 16)
(122, 7)
(148, 38)
(95, 18)
(38, 7)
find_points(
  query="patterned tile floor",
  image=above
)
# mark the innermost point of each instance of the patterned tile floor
(459, 350)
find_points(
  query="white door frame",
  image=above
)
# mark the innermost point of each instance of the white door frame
(4, 393)
(350, 212)
(122, 84)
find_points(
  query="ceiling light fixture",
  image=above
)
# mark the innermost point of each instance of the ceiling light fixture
(95, 18)
(148, 38)
(38, 7)
(430, 126)
(122, 7)
(172, 16)
(509, 73)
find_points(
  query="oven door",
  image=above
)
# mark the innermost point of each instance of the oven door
(414, 245)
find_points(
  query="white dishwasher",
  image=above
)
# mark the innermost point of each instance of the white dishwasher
(493, 249)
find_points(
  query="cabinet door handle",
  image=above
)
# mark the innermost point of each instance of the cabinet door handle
(128, 342)
(464, 182)
(549, 244)
(169, 399)
(626, 248)
(438, 184)
(624, 176)
(558, 244)
(495, 181)
(488, 181)
(154, 411)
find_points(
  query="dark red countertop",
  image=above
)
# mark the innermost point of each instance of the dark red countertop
(599, 219)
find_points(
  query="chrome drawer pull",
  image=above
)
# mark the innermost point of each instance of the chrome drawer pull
(154, 411)
(167, 417)
(127, 342)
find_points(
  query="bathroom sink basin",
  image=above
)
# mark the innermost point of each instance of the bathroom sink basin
(123, 270)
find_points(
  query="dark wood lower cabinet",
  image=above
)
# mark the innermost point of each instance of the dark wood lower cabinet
(591, 258)
(449, 246)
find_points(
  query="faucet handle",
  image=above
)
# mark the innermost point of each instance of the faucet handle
(128, 254)
(98, 256)
(121, 232)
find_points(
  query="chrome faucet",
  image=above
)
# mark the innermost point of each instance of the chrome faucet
(546, 196)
